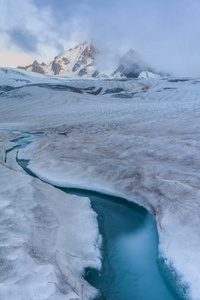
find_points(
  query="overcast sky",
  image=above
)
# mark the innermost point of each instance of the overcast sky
(165, 32)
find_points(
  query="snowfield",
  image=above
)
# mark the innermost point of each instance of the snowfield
(44, 242)
(138, 139)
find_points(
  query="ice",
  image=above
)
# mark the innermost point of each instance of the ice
(144, 148)
(47, 239)
(166, 182)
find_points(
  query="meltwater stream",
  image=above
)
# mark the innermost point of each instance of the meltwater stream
(130, 269)
(130, 246)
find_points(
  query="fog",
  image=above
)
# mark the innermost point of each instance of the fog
(165, 33)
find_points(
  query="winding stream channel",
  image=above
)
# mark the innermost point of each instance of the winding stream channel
(131, 269)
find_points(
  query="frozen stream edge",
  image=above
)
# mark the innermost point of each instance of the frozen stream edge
(87, 169)
(40, 258)
(25, 140)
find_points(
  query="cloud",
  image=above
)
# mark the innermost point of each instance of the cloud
(165, 33)
(23, 39)
(29, 28)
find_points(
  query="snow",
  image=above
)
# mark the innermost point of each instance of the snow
(47, 239)
(68, 59)
(148, 74)
(165, 183)
(73, 56)
(86, 61)
(17, 77)
(141, 144)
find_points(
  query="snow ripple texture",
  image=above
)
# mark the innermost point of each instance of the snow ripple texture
(47, 240)
(138, 139)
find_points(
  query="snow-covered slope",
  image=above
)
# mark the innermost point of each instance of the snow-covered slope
(78, 61)
(138, 139)
(47, 239)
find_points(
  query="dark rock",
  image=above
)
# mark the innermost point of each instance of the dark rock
(59, 87)
(24, 68)
(82, 72)
(126, 96)
(77, 66)
(179, 80)
(112, 91)
(90, 88)
(37, 68)
(169, 88)
(97, 92)
(95, 74)
(56, 67)
(66, 61)
(6, 88)
(90, 52)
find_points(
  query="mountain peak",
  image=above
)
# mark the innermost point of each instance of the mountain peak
(130, 65)
(80, 61)
(131, 51)
(78, 48)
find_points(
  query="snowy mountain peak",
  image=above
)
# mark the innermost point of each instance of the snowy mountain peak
(80, 62)
(77, 51)
(130, 65)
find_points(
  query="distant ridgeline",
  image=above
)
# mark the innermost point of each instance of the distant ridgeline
(80, 62)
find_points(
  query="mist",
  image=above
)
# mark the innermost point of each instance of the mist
(164, 33)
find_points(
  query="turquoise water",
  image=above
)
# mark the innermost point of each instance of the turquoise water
(130, 269)
(22, 142)
(130, 245)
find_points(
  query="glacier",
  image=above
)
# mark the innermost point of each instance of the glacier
(40, 258)
(137, 139)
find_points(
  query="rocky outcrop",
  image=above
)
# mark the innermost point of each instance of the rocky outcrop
(35, 67)
(56, 67)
